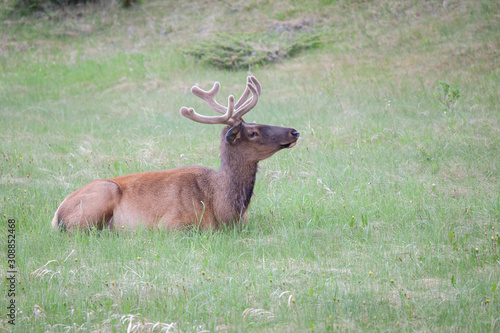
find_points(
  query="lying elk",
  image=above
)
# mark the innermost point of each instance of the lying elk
(184, 196)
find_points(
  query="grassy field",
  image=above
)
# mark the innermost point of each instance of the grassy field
(384, 217)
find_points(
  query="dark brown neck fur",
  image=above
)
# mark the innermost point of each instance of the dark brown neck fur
(237, 176)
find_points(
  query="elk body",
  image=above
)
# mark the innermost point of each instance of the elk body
(184, 196)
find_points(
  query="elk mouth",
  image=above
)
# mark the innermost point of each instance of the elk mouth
(292, 143)
(289, 145)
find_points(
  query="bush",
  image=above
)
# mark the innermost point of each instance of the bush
(241, 51)
(24, 7)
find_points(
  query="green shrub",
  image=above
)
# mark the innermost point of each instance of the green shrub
(236, 52)
(24, 7)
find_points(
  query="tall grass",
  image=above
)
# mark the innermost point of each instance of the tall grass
(383, 218)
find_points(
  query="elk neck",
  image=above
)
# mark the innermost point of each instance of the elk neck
(236, 177)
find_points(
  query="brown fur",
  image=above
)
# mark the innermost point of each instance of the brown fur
(180, 197)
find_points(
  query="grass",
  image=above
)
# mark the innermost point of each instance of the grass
(383, 218)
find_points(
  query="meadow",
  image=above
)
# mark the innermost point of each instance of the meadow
(384, 217)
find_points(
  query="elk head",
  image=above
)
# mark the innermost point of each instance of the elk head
(256, 142)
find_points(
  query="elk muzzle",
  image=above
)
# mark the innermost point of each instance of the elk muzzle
(295, 137)
(292, 137)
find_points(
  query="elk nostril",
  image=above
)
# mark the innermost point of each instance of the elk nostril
(295, 133)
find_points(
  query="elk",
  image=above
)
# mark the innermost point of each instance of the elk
(185, 196)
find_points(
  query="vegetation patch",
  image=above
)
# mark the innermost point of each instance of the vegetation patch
(242, 51)
(24, 7)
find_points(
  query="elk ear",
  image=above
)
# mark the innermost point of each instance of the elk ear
(233, 134)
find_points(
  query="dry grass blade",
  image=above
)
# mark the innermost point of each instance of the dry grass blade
(258, 314)
(141, 324)
(43, 271)
(38, 312)
(326, 188)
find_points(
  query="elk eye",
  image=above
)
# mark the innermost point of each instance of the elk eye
(253, 134)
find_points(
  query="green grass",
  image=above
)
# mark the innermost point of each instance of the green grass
(383, 218)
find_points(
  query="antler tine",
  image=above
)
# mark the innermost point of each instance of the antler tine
(246, 93)
(244, 96)
(209, 97)
(256, 83)
(225, 119)
(249, 104)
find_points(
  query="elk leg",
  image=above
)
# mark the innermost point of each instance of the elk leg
(91, 206)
